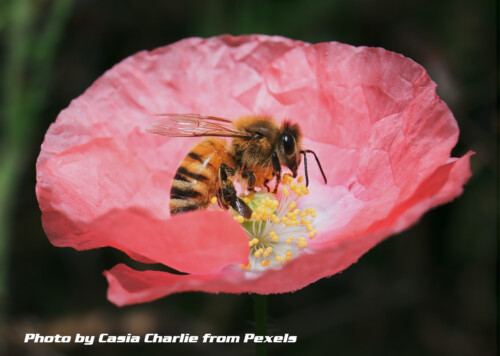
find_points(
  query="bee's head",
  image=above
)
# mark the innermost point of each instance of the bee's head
(289, 146)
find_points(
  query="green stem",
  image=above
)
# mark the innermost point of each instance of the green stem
(260, 316)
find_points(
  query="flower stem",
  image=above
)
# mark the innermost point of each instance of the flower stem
(260, 317)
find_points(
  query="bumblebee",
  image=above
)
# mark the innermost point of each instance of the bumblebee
(259, 147)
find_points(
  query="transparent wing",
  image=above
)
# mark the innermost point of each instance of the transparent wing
(192, 125)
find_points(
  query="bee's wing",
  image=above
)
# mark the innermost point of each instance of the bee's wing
(191, 125)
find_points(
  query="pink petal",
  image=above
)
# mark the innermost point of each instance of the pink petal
(127, 286)
(89, 201)
(374, 117)
(219, 240)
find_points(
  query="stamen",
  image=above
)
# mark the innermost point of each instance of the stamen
(259, 252)
(275, 220)
(302, 242)
(268, 251)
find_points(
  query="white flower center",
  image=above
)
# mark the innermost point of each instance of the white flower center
(278, 229)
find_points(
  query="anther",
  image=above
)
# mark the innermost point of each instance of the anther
(268, 251)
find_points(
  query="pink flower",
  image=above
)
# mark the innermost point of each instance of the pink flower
(373, 117)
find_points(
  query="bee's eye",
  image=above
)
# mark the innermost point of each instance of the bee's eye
(288, 144)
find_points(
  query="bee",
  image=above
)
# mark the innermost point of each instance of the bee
(259, 147)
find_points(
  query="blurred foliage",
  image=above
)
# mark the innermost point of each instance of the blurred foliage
(432, 290)
(29, 47)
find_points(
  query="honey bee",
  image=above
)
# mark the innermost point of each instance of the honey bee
(258, 149)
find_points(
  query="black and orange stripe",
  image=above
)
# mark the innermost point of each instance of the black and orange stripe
(196, 180)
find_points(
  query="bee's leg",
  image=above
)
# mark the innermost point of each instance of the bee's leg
(276, 171)
(227, 170)
(265, 185)
(228, 195)
(250, 178)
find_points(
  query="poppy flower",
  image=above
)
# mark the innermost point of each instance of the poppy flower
(372, 116)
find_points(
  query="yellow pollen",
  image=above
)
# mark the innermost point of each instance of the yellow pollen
(300, 179)
(302, 242)
(280, 258)
(258, 252)
(213, 200)
(293, 204)
(289, 240)
(265, 263)
(268, 251)
(247, 266)
(286, 191)
(312, 234)
(253, 242)
(239, 218)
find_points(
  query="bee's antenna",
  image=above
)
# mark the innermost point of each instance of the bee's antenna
(317, 161)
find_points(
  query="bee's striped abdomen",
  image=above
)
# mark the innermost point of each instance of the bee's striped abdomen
(196, 179)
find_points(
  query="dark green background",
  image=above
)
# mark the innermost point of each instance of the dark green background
(431, 290)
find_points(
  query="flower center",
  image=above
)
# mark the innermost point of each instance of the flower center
(278, 229)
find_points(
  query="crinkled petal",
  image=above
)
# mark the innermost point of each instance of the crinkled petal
(219, 240)
(127, 286)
